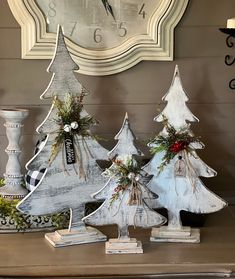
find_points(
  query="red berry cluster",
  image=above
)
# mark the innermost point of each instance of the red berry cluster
(178, 146)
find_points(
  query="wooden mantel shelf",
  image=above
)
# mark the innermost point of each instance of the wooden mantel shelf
(30, 255)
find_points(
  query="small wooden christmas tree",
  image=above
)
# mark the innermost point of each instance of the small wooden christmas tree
(176, 168)
(124, 195)
(69, 155)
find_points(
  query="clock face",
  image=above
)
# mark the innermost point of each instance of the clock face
(89, 25)
(104, 37)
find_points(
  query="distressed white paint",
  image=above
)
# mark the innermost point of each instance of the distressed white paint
(126, 142)
(178, 193)
(65, 186)
(65, 238)
(124, 147)
(185, 235)
(120, 212)
(123, 246)
(13, 175)
(62, 66)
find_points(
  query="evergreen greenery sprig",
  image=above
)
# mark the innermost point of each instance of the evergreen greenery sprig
(8, 210)
(70, 121)
(126, 171)
(9, 214)
(23, 222)
(172, 142)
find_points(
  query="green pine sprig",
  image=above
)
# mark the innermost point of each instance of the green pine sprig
(121, 170)
(172, 143)
(67, 112)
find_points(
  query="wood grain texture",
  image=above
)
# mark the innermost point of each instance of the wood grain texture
(214, 255)
(122, 211)
(205, 78)
(217, 119)
(178, 182)
(64, 185)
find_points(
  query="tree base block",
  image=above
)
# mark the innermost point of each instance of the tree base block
(186, 235)
(122, 246)
(65, 237)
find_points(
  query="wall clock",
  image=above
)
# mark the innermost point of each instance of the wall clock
(104, 37)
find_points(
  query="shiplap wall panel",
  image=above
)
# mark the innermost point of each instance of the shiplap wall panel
(216, 118)
(220, 183)
(208, 35)
(199, 51)
(205, 79)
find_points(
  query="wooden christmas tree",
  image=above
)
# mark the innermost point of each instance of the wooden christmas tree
(69, 155)
(176, 168)
(124, 195)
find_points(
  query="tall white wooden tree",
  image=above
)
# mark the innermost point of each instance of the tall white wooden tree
(69, 155)
(124, 195)
(176, 169)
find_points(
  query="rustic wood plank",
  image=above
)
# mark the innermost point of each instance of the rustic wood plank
(215, 118)
(22, 82)
(177, 181)
(215, 254)
(72, 173)
(186, 42)
(223, 144)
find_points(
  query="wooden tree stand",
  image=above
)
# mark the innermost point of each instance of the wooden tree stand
(65, 237)
(123, 246)
(185, 234)
(77, 233)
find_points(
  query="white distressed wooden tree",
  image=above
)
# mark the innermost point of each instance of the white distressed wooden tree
(124, 210)
(178, 185)
(65, 186)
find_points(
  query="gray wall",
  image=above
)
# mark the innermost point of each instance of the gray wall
(199, 51)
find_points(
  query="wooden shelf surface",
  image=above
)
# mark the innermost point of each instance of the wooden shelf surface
(30, 255)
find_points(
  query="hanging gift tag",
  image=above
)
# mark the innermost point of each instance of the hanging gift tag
(135, 196)
(69, 149)
(180, 168)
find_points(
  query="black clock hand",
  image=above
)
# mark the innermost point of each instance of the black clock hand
(108, 8)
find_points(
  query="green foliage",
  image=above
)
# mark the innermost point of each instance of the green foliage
(70, 111)
(172, 142)
(60, 220)
(8, 210)
(125, 171)
(21, 221)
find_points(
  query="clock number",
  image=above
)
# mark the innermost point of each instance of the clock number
(73, 28)
(122, 30)
(142, 11)
(97, 37)
(52, 11)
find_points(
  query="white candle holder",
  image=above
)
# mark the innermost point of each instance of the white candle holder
(13, 176)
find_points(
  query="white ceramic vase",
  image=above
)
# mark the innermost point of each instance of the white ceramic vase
(13, 176)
